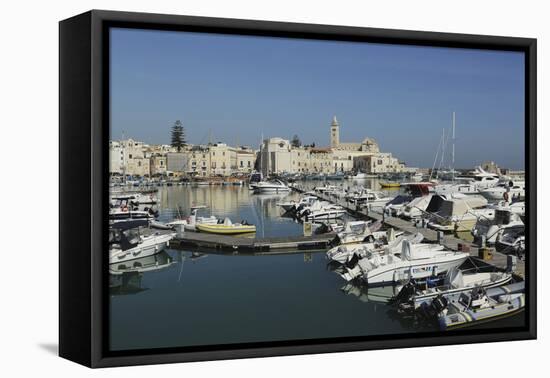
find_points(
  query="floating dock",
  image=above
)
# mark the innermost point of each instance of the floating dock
(244, 244)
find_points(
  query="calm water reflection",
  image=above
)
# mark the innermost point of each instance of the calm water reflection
(181, 298)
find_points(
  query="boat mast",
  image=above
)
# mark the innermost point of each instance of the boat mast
(453, 159)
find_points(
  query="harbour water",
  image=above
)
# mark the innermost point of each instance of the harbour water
(185, 298)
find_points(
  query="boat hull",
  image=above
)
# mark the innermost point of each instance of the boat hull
(225, 230)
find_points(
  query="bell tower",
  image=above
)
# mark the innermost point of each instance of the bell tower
(334, 133)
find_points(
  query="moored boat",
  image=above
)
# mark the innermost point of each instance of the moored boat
(227, 228)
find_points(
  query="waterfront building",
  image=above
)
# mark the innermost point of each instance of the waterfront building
(199, 161)
(382, 162)
(128, 157)
(276, 156)
(246, 158)
(220, 159)
(158, 164)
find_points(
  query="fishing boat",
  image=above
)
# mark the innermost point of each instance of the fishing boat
(413, 295)
(226, 228)
(414, 262)
(476, 305)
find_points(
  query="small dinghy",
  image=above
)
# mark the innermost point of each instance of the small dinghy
(414, 295)
(477, 305)
(226, 228)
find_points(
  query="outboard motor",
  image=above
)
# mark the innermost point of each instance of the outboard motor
(439, 304)
(352, 262)
(405, 294)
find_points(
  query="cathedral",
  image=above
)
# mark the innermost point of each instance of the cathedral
(368, 145)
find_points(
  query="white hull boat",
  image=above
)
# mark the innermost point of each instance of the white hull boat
(414, 262)
(275, 186)
(145, 246)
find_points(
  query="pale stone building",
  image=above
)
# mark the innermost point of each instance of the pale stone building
(199, 161)
(382, 162)
(221, 161)
(246, 158)
(128, 157)
(276, 156)
(158, 164)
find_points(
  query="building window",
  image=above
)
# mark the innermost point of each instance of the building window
(213, 153)
(223, 153)
(129, 156)
(249, 164)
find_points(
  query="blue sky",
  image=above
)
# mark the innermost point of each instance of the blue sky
(240, 87)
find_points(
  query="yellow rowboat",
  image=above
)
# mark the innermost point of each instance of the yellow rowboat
(226, 228)
(390, 184)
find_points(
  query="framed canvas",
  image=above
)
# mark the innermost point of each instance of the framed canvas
(235, 188)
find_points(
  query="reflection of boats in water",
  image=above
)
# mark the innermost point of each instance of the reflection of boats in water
(380, 294)
(125, 277)
(145, 264)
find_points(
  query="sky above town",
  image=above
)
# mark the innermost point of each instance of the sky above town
(236, 89)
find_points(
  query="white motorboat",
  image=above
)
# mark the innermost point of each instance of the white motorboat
(321, 210)
(414, 262)
(413, 295)
(369, 198)
(504, 220)
(125, 245)
(272, 186)
(508, 191)
(357, 232)
(379, 242)
(192, 220)
(512, 241)
(292, 206)
(470, 184)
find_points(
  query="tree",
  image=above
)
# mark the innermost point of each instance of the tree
(178, 135)
(295, 142)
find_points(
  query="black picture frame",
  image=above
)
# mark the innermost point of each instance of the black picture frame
(83, 181)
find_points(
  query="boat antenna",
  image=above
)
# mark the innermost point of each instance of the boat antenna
(453, 159)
